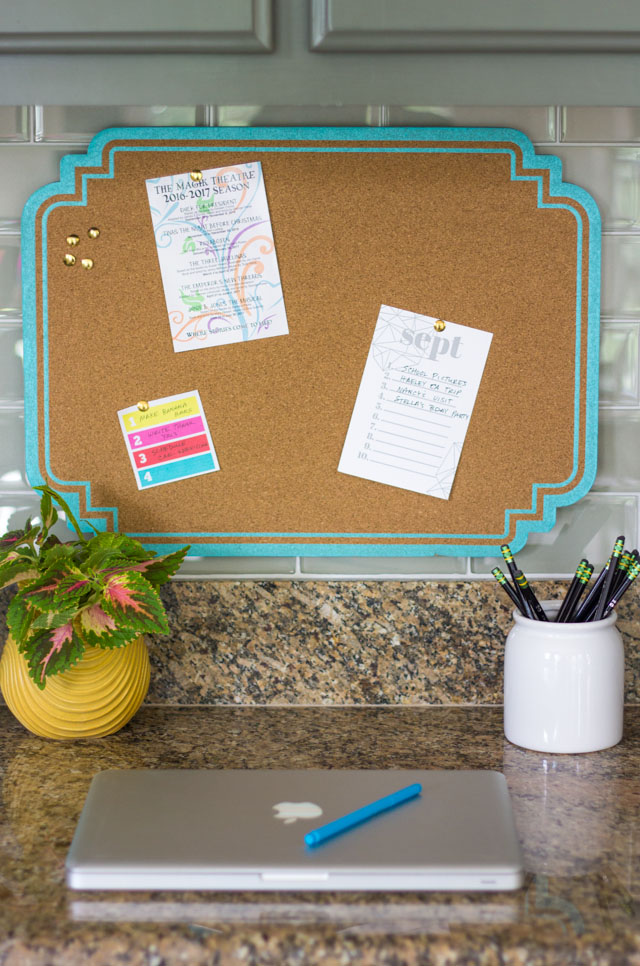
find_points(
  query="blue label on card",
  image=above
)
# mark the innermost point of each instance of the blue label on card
(179, 470)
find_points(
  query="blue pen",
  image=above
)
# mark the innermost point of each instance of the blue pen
(319, 835)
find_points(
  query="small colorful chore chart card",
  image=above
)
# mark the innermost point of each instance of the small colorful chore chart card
(415, 401)
(168, 440)
(217, 256)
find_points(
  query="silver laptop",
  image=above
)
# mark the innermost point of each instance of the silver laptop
(223, 830)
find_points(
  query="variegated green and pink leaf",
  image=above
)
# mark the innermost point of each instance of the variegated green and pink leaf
(16, 568)
(134, 604)
(52, 651)
(20, 617)
(100, 629)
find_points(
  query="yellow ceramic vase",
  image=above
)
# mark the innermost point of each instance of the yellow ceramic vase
(95, 697)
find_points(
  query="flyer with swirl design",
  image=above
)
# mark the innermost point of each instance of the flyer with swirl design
(217, 256)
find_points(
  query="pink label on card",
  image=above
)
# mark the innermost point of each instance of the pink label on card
(162, 434)
(176, 450)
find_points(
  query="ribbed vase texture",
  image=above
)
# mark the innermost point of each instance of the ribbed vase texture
(95, 697)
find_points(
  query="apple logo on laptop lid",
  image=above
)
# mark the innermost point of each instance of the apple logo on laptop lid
(290, 812)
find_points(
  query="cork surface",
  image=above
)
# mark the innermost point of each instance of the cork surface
(343, 642)
(577, 818)
(446, 235)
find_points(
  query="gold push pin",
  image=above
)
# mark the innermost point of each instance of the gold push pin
(439, 326)
(93, 232)
(72, 241)
(143, 406)
(69, 259)
(196, 175)
(86, 263)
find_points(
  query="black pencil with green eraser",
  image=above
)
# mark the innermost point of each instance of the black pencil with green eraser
(583, 580)
(560, 616)
(632, 575)
(504, 583)
(528, 597)
(590, 602)
(607, 587)
(505, 550)
(628, 558)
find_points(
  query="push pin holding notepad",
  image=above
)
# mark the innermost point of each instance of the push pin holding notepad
(439, 325)
(143, 406)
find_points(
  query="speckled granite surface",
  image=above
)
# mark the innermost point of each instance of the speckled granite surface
(578, 819)
(343, 642)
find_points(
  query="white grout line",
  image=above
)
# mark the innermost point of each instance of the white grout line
(364, 577)
(614, 407)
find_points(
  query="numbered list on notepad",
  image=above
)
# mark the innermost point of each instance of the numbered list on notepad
(415, 401)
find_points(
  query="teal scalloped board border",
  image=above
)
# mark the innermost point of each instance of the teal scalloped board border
(209, 139)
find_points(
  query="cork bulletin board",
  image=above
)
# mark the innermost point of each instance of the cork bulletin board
(465, 224)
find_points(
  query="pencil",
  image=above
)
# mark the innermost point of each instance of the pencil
(583, 580)
(591, 600)
(525, 590)
(504, 583)
(531, 598)
(608, 584)
(505, 550)
(624, 564)
(634, 570)
(572, 588)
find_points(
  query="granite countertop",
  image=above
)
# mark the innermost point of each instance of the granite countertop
(578, 817)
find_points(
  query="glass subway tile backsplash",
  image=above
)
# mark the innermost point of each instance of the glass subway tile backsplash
(600, 150)
(10, 288)
(14, 123)
(77, 125)
(282, 115)
(538, 123)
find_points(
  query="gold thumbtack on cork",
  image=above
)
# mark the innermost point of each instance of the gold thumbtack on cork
(143, 406)
(87, 263)
(73, 240)
(439, 326)
(69, 259)
(196, 175)
(93, 232)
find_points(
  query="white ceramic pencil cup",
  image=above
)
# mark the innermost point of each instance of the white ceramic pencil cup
(563, 684)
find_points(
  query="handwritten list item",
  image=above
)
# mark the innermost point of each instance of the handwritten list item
(414, 403)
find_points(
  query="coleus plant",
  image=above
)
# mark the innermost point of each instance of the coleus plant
(98, 591)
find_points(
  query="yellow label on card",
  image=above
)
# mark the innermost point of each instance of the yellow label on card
(164, 413)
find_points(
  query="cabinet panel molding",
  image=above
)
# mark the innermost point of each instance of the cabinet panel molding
(122, 27)
(468, 26)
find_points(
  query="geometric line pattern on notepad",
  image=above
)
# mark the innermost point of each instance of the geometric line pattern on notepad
(447, 469)
(388, 348)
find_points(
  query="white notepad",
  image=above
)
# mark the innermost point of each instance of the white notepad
(415, 402)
